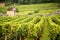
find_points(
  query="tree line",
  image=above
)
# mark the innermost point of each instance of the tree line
(29, 1)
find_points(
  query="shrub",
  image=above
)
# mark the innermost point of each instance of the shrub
(17, 10)
(36, 11)
(3, 9)
(30, 13)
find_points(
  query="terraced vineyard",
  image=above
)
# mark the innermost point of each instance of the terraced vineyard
(30, 28)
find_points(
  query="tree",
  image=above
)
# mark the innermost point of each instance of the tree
(29, 1)
(2, 0)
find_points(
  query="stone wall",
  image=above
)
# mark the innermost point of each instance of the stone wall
(11, 13)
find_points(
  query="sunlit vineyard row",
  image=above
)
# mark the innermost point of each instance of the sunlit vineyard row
(30, 28)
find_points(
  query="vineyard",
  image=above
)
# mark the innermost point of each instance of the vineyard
(30, 28)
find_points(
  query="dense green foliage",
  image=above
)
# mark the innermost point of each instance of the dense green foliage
(30, 28)
(3, 9)
(32, 1)
(8, 2)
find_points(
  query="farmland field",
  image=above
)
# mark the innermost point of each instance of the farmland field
(31, 27)
(44, 8)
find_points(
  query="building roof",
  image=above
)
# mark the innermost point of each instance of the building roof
(11, 9)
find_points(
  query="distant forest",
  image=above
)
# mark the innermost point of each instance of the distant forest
(30, 1)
